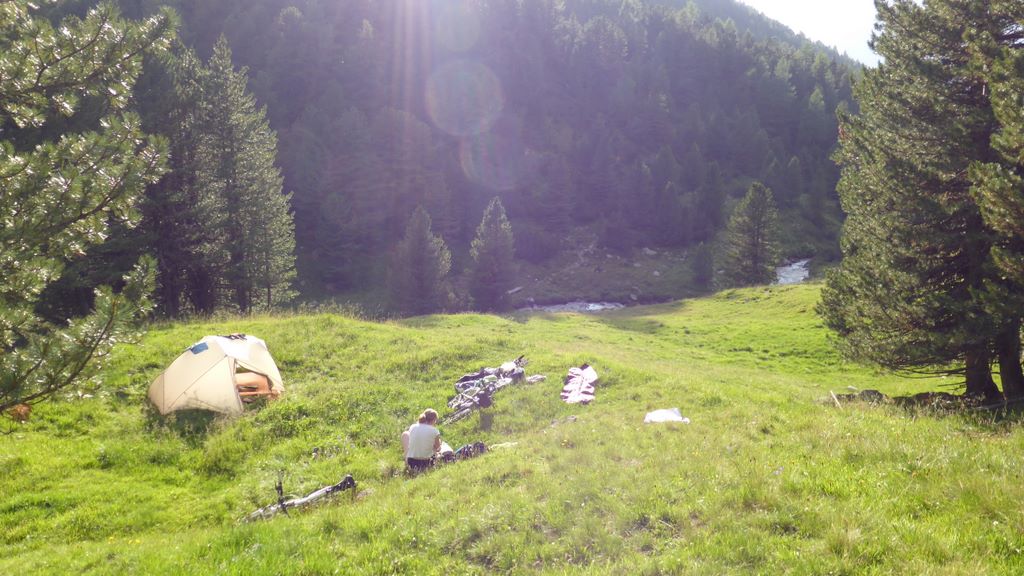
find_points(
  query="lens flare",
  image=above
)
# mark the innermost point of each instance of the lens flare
(464, 98)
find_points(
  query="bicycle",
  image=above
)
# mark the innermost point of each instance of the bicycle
(480, 398)
(283, 505)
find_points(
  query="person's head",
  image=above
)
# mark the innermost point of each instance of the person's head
(429, 416)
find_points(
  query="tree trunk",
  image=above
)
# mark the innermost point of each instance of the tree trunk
(979, 377)
(1010, 372)
(168, 292)
(201, 291)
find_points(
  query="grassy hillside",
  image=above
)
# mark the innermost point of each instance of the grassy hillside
(768, 478)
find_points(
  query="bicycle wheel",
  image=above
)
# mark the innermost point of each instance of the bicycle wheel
(456, 416)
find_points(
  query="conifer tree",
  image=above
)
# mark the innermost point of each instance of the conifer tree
(348, 220)
(419, 268)
(181, 220)
(493, 255)
(999, 192)
(912, 293)
(1000, 184)
(751, 251)
(59, 196)
(664, 212)
(702, 266)
(709, 203)
(238, 150)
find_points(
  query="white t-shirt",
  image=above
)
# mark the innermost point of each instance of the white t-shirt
(421, 441)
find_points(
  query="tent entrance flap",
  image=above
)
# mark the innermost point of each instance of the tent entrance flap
(256, 381)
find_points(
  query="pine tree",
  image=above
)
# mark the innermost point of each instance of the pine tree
(999, 186)
(217, 222)
(751, 251)
(419, 268)
(493, 255)
(709, 204)
(999, 192)
(702, 266)
(181, 220)
(348, 220)
(665, 214)
(59, 196)
(238, 149)
(911, 294)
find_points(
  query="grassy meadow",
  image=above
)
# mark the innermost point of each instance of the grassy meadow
(770, 477)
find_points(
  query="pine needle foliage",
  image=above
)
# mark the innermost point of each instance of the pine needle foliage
(180, 218)
(914, 291)
(220, 225)
(419, 268)
(239, 151)
(59, 196)
(999, 184)
(493, 253)
(752, 251)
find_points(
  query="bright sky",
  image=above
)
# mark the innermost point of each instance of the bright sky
(844, 24)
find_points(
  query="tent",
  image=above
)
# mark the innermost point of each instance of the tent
(218, 373)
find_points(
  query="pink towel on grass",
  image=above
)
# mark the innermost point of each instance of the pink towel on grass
(579, 385)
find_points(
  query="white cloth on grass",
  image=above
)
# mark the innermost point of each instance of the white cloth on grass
(665, 415)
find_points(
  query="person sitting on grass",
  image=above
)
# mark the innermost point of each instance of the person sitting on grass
(421, 441)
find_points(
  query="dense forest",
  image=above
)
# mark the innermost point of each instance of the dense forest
(642, 123)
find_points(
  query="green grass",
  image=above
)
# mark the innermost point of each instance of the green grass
(769, 478)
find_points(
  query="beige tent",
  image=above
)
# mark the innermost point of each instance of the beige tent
(217, 373)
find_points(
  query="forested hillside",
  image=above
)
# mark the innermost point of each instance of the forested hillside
(641, 122)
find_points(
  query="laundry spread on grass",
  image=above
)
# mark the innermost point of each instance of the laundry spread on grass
(579, 385)
(665, 415)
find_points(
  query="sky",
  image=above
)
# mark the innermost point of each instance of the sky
(843, 24)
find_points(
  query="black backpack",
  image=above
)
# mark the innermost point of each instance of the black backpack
(470, 450)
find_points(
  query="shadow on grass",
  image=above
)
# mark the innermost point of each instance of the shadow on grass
(631, 318)
(640, 319)
(640, 325)
(192, 426)
(525, 316)
(993, 417)
(453, 320)
(1001, 420)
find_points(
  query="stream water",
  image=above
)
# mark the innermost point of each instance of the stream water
(794, 273)
(577, 306)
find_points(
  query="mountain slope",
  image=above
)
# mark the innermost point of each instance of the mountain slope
(637, 123)
(747, 18)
